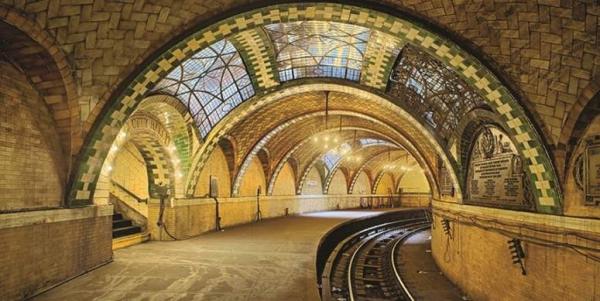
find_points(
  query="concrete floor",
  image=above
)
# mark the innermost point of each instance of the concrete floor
(270, 260)
(421, 274)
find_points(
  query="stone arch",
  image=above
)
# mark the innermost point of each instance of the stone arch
(500, 98)
(53, 77)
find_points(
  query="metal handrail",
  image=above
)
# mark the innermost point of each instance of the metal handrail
(128, 192)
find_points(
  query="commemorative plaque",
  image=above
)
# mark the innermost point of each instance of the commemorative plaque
(495, 175)
(592, 173)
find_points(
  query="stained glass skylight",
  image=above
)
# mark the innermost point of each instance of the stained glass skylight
(373, 141)
(318, 49)
(211, 83)
(432, 90)
(330, 159)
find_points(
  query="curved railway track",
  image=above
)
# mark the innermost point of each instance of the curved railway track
(363, 266)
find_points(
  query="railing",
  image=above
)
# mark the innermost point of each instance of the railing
(380, 201)
(338, 234)
(129, 193)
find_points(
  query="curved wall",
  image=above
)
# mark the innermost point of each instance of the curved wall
(362, 184)
(313, 183)
(414, 181)
(129, 171)
(30, 157)
(386, 185)
(216, 167)
(338, 184)
(284, 184)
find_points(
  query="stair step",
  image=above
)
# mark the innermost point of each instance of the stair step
(121, 223)
(129, 240)
(117, 216)
(119, 232)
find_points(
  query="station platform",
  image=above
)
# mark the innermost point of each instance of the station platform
(270, 260)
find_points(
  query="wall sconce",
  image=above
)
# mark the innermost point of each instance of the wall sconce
(516, 250)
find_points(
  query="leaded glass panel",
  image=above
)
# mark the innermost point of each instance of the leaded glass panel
(432, 90)
(318, 49)
(211, 83)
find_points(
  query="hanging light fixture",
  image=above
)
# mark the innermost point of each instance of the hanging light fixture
(327, 140)
(389, 165)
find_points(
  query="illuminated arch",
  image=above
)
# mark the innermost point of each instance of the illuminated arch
(530, 146)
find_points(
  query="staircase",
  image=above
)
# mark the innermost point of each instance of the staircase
(123, 227)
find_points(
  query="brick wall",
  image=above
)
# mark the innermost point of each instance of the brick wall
(30, 158)
(43, 253)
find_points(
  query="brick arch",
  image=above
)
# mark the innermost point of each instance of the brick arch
(50, 72)
(531, 144)
(338, 165)
(574, 126)
(246, 109)
(264, 157)
(152, 140)
(228, 146)
(179, 124)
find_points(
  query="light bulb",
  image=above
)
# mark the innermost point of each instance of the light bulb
(326, 138)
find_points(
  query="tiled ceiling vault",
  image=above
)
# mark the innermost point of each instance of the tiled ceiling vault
(227, 74)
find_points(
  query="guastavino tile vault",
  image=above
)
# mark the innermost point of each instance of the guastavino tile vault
(289, 150)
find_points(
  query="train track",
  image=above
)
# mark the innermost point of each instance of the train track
(363, 266)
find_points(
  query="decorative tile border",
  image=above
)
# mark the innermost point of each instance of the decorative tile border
(257, 52)
(530, 146)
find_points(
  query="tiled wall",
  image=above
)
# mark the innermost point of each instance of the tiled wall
(216, 167)
(386, 184)
(362, 185)
(313, 184)
(31, 166)
(253, 178)
(129, 171)
(192, 217)
(284, 184)
(414, 181)
(479, 261)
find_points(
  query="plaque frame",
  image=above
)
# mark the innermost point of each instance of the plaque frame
(527, 202)
(590, 199)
